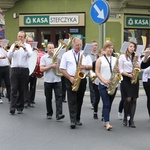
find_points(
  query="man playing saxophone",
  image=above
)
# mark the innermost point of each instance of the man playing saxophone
(74, 62)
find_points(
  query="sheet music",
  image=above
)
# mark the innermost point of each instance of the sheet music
(87, 49)
(139, 50)
(5, 42)
(66, 41)
(62, 51)
(124, 47)
(34, 45)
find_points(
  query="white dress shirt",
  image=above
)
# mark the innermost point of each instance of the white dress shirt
(49, 75)
(5, 61)
(126, 65)
(20, 58)
(68, 62)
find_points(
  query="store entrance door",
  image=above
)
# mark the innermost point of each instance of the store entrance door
(45, 35)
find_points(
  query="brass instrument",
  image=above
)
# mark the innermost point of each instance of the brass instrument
(115, 77)
(92, 75)
(78, 76)
(7, 47)
(135, 71)
(17, 45)
(68, 45)
(55, 59)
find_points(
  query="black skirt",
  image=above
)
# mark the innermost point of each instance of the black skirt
(129, 89)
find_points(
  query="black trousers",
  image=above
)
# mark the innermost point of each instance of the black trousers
(19, 80)
(92, 92)
(146, 86)
(97, 97)
(5, 75)
(30, 96)
(63, 81)
(48, 88)
(75, 99)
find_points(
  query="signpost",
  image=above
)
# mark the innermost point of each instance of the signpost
(100, 11)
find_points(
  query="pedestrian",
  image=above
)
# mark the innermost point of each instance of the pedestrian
(104, 68)
(30, 96)
(51, 82)
(73, 62)
(128, 62)
(93, 55)
(96, 88)
(4, 71)
(146, 83)
(19, 54)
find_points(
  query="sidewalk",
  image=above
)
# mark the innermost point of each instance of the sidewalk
(40, 82)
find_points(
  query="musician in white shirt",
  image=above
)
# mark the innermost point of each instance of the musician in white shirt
(51, 82)
(69, 63)
(19, 54)
(4, 70)
(146, 83)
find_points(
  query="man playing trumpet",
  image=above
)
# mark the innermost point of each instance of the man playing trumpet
(19, 53)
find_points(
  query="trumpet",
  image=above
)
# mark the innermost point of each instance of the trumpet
(7, 47)
(17, 45)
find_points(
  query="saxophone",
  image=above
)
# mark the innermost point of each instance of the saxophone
(115, 77)
(135, 71)
(78, 76)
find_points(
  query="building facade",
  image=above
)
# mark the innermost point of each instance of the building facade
(50, 20)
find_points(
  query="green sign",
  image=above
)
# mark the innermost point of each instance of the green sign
(137, 21)
(36, 20)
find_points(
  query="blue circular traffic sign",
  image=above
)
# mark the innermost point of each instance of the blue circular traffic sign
(100, 11)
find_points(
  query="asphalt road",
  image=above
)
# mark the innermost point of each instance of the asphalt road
(32, 131)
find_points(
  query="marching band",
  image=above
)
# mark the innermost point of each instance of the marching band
(22, 63)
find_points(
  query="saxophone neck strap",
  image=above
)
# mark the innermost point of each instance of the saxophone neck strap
(75, 58)
(109, 62)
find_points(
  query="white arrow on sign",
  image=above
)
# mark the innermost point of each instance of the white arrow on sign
(100, 12)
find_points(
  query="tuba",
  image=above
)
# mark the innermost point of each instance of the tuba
(135, 71)
(78, 76)
(115, 77)
(56, 60)
(68, 45)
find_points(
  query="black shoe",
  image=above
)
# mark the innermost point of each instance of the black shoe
(132, 125)
(26, 105)
(31, 105)
(64, 101)
(125, 122)
(78, 123)
(72, 125)
(2, 95)
(19, 111)
(59, 117)
(12, 112)
(95, 116)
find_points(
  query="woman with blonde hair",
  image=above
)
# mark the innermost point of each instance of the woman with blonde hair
(104, 68)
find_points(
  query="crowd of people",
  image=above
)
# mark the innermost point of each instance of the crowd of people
(109, 71)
